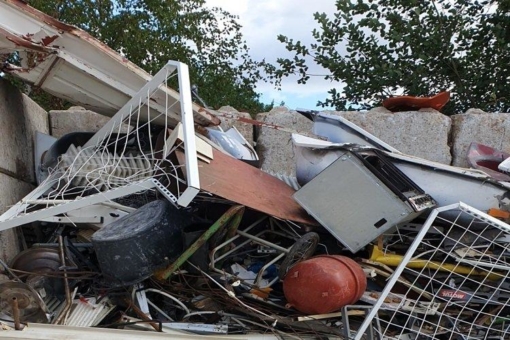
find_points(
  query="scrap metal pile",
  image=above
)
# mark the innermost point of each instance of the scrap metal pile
(149, 225)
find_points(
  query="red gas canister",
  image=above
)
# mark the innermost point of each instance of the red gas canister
(324, 284)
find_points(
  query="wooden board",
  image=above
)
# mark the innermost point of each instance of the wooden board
(244, 184)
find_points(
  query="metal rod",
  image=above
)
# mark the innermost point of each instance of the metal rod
(54, 245)
(214, 260)
(16, 314)
(262, 241)
(233, 216)
(219, 258)
(159, 310)
(6, 267)
(232, 294)
(56, 202)
(182, 305)
(144, 317)
(69, 301)
(260, 273)
(13, 217)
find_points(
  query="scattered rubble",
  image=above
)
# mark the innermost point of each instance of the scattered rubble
(134, 233)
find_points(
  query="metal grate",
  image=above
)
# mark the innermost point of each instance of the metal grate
(460, 286)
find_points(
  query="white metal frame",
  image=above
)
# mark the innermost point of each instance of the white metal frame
(140, 99)
(478, 217)
(17, 215)
(45, 213)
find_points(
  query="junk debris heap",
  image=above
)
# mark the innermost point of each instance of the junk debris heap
(148, 226)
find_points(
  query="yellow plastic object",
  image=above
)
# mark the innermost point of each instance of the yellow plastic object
(498, 213)
(394, 260)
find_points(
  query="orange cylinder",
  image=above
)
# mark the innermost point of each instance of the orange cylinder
(324, 284)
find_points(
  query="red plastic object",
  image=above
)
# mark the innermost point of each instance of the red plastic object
(487, 159)
(324, 284)
(407, 103)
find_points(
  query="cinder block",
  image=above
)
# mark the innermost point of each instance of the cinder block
(423, 133)
(11, 191)
(76, 119)
(20, 117)
(274, 146)
(245, 129)
(481, 127)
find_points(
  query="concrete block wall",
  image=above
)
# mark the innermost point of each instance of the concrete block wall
(75, 119)
(20, 117)
(425, 133)
(273, 146)
(422, 133)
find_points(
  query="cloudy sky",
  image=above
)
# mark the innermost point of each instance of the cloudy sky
(262, 21)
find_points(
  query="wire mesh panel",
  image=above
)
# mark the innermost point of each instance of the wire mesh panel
(126, 156)
(453, 282)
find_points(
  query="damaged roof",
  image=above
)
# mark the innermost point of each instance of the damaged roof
(71, 64)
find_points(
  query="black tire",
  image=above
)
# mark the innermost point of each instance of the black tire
(303, 249)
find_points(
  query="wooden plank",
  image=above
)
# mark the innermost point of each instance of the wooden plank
(177, 134)
(244, 184)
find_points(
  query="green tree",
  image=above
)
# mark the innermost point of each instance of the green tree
(151, 32)
(378, 48)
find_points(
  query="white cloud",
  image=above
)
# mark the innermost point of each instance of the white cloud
(263, 21)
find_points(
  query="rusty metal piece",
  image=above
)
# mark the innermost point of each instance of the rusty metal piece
(239, 182)
(231, 218)
(142, 315)
(16, 314)
(25, 44)
(37, 260)
(30, 305)
(255, 122)
(69, 300)
(211, 117)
